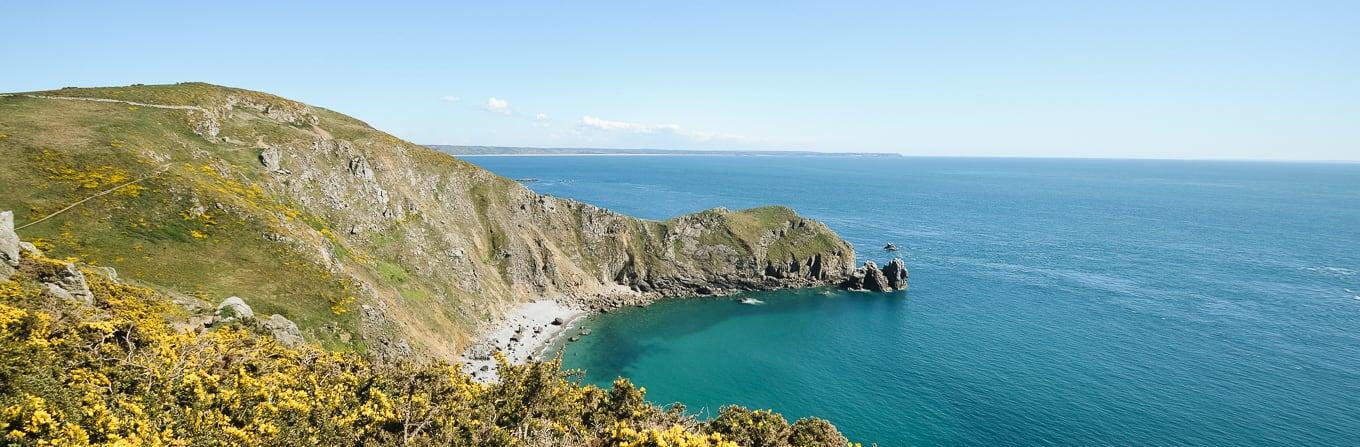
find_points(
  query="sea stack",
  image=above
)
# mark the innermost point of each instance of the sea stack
(869, 277)
(896, 272)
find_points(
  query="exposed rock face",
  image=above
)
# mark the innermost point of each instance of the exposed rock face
(896, 272)
(869, 277)
(65, 282)
(269, 158)
(283, 330)
(29, 247)
(70, 284)
(233, 309)
(874, 279)
(9, 245)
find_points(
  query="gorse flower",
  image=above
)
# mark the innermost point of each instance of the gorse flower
(118, 374)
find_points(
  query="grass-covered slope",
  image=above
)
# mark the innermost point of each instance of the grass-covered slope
(113, 371)
(367, 242)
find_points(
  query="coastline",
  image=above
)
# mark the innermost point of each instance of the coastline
(721, 154)
(522, 335)
(526, 332)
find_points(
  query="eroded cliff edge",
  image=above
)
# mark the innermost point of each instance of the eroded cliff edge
(366, 241)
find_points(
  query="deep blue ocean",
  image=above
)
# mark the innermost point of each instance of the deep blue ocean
(1052, 302)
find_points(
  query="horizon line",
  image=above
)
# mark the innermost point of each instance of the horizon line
(774, 152)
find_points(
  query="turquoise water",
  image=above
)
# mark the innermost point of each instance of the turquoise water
(1052, 302)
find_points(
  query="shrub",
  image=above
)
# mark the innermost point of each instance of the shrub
(118, 373)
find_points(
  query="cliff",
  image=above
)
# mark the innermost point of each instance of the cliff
(367, 242)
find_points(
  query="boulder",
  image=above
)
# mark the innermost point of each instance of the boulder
(284, 330)
(9, 245)
(30, 248)
(269, 157)
(69, 283)
(233, 309)
(896, 272)
(558, 321)
(57, 291)
(360, 168)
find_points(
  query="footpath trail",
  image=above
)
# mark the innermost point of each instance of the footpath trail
(119, 101)
(97, 195)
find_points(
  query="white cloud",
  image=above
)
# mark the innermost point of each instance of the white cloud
(607, 125)
(449, 98)
(674, 129)
(540, 117)
(500, 106)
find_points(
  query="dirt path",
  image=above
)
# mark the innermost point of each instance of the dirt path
(119, 101)
(315, 129)
(87, 199)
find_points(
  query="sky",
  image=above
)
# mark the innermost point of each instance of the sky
(1148, 79)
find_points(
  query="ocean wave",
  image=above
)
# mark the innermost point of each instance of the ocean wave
(1334, 271)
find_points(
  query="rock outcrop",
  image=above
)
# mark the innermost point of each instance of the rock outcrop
(269, 158)
(283, 330)
(896, 272)
(233, 309)
(69, 283)
(869, 277)
(9, 245)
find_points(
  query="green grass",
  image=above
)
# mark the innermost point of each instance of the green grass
(415, 293)
(393, 272)
(182, 94)
(59, 152)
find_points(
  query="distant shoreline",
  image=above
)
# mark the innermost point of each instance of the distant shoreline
(501, 151)
(632, 154)
(498, 151)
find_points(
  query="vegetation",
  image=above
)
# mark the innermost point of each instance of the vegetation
(744, 229)
(189, 225)
(117, 372)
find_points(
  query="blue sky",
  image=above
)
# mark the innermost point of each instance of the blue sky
(1180, 79)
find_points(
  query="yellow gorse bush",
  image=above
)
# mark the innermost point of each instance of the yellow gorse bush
(118, 374)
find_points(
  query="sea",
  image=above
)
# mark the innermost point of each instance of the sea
(1071, 302)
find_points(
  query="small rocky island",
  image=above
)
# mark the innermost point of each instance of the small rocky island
(892, 276)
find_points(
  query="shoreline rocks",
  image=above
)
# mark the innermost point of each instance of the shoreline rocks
(896, 272)
(893, 276)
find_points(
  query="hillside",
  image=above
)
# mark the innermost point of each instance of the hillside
(367, 242)
(88, 360)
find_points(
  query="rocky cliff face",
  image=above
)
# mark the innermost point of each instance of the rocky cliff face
(366, 241)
